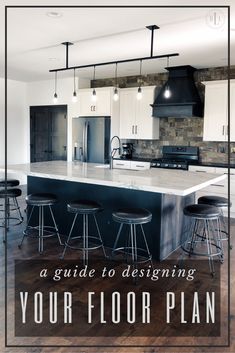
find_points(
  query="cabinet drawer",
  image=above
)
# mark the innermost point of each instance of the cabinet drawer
(121, 164)
(217, 189)
(140, 165)
(202, 169)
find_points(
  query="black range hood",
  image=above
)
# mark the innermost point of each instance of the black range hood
(184, 100)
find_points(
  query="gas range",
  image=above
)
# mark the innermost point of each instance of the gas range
(176, 157)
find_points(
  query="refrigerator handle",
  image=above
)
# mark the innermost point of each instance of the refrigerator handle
(83, 159)
(86, 141)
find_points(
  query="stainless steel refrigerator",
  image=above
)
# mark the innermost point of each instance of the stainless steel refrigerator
(91, 139)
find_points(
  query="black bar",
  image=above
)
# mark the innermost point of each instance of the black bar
(152, 29)
(114, 62)
(67, 53)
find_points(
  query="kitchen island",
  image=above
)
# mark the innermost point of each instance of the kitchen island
(163, 192)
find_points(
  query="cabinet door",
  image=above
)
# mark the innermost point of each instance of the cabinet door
(147, 127)
(86, 106)
(103, 103)
(232, 111)
(127, 114)
(102, 106)
(215, 115)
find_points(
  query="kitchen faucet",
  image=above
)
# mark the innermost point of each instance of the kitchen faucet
(114, 150)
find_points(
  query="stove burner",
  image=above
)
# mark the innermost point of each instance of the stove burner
(168, 163)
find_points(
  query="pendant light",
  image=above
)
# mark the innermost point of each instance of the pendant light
(115, 93)
(74, 98)
(94, 96)
(55, 97)
(139, 92)
(167, 92)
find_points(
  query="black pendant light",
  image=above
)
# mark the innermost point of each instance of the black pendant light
(167, 92)
(94, 96)
(115, 92)
(55, 97)
(74, 98)
(139, 91)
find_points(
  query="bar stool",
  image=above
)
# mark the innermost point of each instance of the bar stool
(41, 201)
(205, 216)
(85, 208)
(133, 217)
(220, 202)
(10, 205)
(9, 183)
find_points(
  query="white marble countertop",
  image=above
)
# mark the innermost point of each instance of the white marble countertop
(175, 182)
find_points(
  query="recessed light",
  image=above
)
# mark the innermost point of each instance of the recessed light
(54, 14)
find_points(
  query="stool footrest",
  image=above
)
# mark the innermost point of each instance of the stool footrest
(90, 239)
(192, 252)
(126, 253)
(48, 231)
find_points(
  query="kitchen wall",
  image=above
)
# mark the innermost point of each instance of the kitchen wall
(17, 123)
(186, 131)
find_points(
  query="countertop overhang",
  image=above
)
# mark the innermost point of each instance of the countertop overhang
(165, 181)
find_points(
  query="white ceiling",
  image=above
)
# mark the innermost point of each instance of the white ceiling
(109, 34)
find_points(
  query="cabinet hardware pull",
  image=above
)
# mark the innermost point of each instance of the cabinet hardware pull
(119, 163)
(133, 129)
(227, 130)
(223, 130)
(200, 171)
(221, 186)
(136, 129)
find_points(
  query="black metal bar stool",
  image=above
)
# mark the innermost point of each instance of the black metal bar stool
(40, 201)
(10, 209)
(9, 183)
(133, 217)
(204, 225)
(85, 208)
(220, 202)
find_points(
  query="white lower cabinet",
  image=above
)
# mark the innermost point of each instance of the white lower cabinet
(140, 165)
(134, 165)
(219, 188)
(120, 164)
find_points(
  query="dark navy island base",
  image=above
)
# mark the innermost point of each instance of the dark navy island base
(164, 232)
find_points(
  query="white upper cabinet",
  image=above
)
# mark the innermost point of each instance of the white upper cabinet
(136, 121)
(101, 107)
(216, 111)
(104, 106)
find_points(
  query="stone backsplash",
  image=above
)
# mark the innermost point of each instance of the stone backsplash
(173, 131)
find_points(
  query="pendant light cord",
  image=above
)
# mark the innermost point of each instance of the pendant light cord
(167, 63)
(74, 83)
(94, 74)
(56, 82)
(140, 72)
(116, 75)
